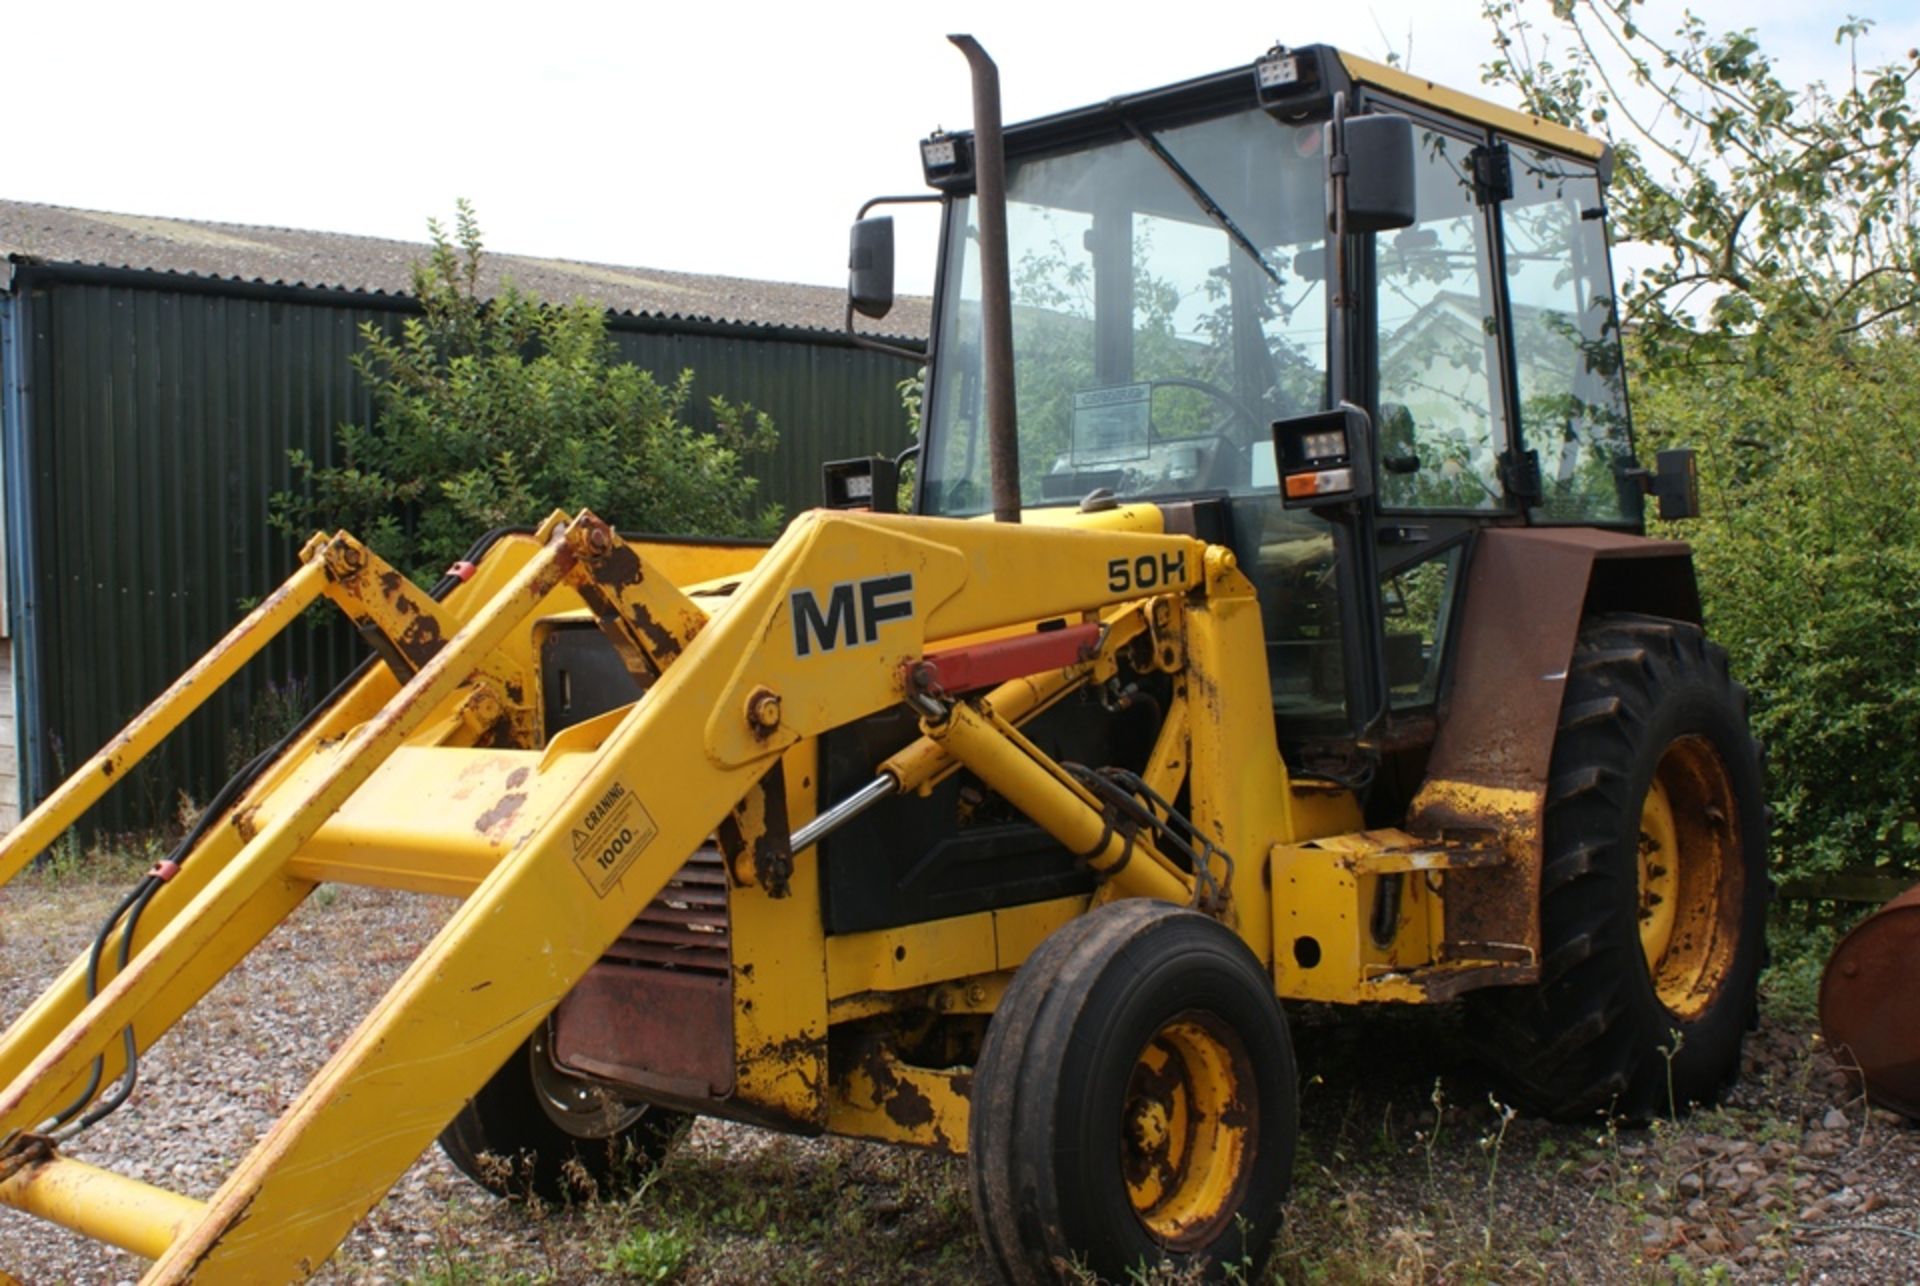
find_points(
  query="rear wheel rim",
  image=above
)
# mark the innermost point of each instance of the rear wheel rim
(1188, 1124)
(1690, 883)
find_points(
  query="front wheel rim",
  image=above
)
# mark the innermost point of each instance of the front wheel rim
(1188, 1127)
(578, 1107)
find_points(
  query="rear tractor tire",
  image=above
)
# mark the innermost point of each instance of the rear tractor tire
(536, 1131)
(1653, 885)
(1134, 1102)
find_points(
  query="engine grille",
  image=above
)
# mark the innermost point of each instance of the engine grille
(685, 928)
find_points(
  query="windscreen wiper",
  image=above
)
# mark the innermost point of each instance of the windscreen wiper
(1207, 204)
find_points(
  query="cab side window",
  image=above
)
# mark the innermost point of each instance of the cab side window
(1566, 340)
(1439, 342)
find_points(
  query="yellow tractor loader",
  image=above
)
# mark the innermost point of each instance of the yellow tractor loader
(1272, 622)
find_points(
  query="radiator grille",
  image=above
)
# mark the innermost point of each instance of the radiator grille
(685, 928)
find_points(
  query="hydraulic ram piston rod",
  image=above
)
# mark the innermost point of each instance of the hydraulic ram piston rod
(843, 812)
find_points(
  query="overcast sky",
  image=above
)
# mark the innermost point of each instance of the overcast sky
(709, 137)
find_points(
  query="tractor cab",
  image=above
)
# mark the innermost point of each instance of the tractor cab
(1179, 298)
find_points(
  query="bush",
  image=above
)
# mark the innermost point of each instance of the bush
(496, 412)
(1808, 553)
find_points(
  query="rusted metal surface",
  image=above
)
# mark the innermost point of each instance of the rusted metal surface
(657, 1011)
(756, 840)
(648, 621)
(1526, 592)
(407, 627)
(1870, 1004)
(877, 1095)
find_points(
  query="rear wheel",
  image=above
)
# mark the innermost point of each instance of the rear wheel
(1653, 885)
(535, 1130)
(1134, 1102)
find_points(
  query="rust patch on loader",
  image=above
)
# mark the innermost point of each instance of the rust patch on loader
(902, 1100)
(755, 838)
(494, 822)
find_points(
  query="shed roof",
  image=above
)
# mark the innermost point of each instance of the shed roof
(375, 265)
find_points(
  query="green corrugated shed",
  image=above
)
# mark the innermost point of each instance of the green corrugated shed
(148, 417)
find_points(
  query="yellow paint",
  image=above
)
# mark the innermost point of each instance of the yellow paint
(688, 563)
(151, 726)
(931, 1102)
(96, 1203)
(1238, 782)
(1183, 1147)
(555, 847)
(1658, 871)
(1511, 808)
(780, 975)
(1534, 129)
(1688, 888)
(1019, 930)
(979, 994)
(936, 951)
(1019, 574)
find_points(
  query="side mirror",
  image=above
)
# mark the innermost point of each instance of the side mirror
(870, 266)
(1676, 484)
(1380, 173)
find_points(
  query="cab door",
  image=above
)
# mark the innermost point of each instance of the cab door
(1435, 383)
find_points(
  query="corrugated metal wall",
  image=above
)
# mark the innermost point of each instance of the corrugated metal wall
(829, 402)
(157, 422)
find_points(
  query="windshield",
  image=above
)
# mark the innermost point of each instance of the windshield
(1154, 340)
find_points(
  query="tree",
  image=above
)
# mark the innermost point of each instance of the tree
(1773, 322)
(490, 412)
(1762, 202)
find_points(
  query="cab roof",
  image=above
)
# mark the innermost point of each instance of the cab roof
(1329, 69)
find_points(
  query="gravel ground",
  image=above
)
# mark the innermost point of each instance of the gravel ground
(1408, 1171)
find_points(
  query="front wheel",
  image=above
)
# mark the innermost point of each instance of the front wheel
(1653, 885)
(535, 1130)
(1134, 1102)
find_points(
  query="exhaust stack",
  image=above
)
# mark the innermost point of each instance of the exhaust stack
(996, 293)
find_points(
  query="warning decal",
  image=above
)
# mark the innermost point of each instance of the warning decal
(610, 836)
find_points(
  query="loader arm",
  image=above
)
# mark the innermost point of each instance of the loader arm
(556, 848)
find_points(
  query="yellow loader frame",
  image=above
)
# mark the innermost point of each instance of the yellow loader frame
(429, 774)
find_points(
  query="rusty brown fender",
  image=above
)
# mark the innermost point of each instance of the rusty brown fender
(1526, 592)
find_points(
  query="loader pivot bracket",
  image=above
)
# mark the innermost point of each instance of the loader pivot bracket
(985, 665)
(22, 1150)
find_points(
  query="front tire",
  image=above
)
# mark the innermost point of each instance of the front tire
(1653, 885)
(534, 1130)
(1134, 1102)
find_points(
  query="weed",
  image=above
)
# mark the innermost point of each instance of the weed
(1439, 1100)
(271, 715)
(1491, 1144)
(1801, 946)
(649, 1254)
(1669, 1053)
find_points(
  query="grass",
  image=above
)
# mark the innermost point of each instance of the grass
(1408, 1171)
(107, 862)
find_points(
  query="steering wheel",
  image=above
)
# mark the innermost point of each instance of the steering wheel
(1240, 409)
